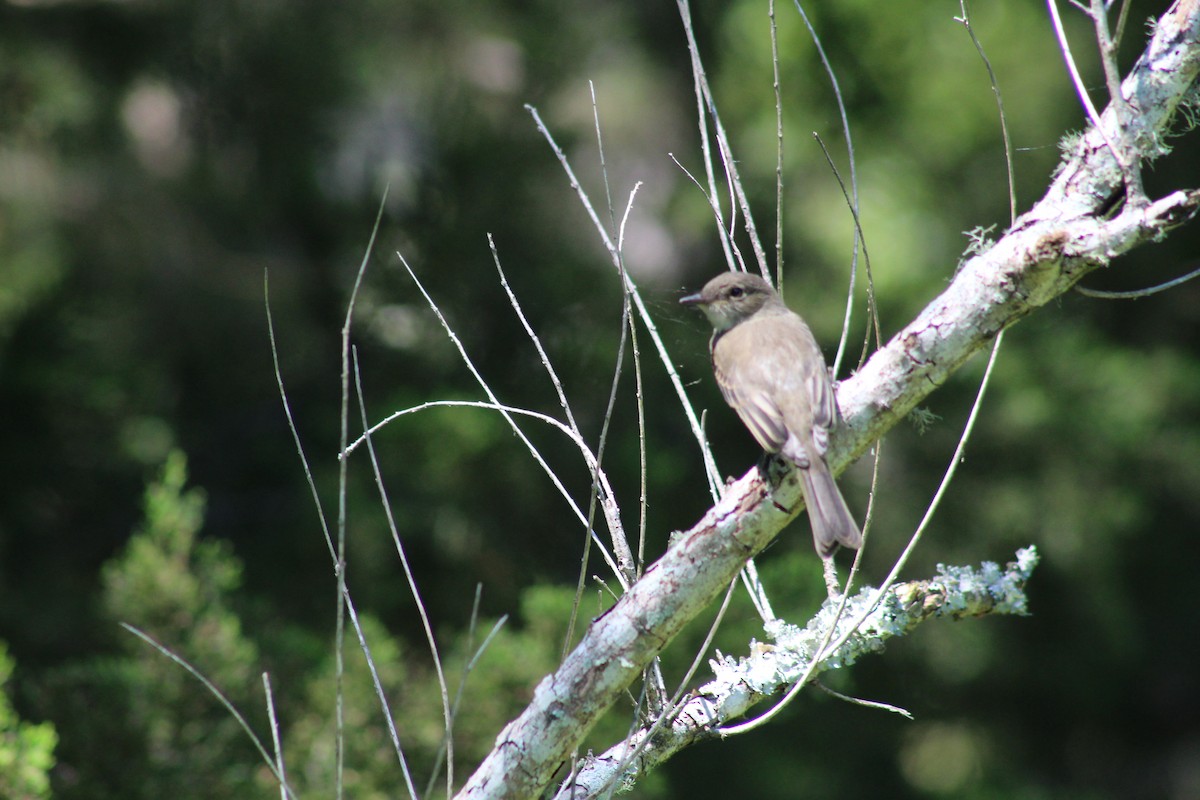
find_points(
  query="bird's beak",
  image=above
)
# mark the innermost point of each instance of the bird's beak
(691, 300)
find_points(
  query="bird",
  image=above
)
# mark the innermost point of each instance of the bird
(772, 373)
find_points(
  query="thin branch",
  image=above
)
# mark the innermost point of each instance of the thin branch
(853, 202)
(555, 381)
(1120, 29)
(505, 411)
(736, 262)
(409, 578)
(1080, 89)
(641, 408)
(1137, 293)
(381, 697)
(965, 19)
(275, 742)
(858, 701)
(291, 422)
(873, 325)
(340, 560)
(220, 697)
(778, 146)
(757, 592)
(345, 605)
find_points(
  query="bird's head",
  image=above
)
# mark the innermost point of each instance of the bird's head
(732, 297)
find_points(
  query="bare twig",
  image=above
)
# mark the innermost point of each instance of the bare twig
(1135, 294)
(853, 194)
(965, 19)
(278, 746)
(858, 701)
(410, 579)
(345, 606)
(381, 696)
(873, 325)
(220, 697)
(340, 560)
(778, 146)
(466, 673)
(1120, 29)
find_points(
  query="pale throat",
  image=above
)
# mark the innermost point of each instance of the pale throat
(722, 319)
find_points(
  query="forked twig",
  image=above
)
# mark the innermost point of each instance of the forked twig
(462, 681)
(1135, 192)
(510, 411)
(613, 521)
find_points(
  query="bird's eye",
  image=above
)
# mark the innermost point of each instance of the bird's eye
(736, 291)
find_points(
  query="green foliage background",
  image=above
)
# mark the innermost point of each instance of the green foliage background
(157, 158)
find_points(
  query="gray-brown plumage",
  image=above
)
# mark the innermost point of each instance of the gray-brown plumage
(772, 373)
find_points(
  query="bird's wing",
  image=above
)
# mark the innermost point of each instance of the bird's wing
(820, 392)
(741, 387)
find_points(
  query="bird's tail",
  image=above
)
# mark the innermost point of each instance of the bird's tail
(832, 523)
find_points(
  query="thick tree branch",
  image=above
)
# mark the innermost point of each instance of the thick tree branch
(955, 593)
(1052, 246)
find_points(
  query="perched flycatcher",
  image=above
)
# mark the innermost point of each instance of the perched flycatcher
(772, 373)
